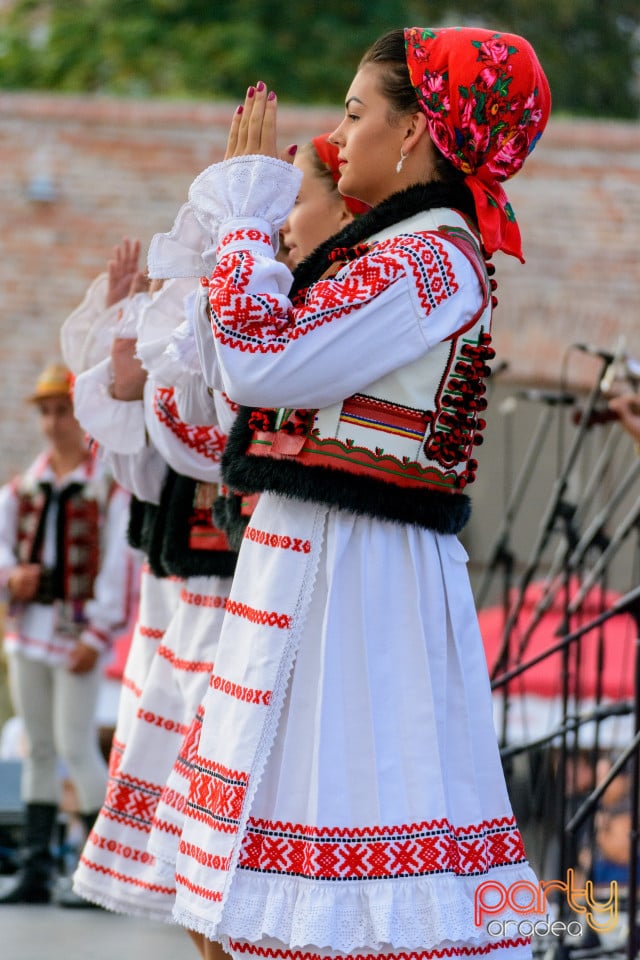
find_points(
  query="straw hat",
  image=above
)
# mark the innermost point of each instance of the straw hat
(54, 381)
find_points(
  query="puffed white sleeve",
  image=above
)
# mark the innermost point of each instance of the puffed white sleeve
(177, 365)
(86, 334)
(115, 424)
(142, 473)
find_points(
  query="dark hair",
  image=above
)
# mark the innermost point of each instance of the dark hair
(389, 51)
(395, 82)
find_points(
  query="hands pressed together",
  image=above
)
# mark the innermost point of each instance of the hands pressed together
(253, 128)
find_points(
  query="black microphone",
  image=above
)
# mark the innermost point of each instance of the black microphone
(596, 352)
(546, 396)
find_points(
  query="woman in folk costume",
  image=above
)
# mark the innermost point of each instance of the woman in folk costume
(319, 211)
(347, 797)
(64, 570)
(115, 868)
(114, 302)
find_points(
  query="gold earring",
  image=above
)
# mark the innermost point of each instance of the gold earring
(402, 159)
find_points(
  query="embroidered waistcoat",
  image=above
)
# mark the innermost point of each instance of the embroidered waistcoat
(401, 449)
(81, 509)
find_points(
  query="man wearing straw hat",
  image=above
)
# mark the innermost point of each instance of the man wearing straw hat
(64, 577)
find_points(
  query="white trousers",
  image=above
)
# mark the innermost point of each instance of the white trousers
(58, 710)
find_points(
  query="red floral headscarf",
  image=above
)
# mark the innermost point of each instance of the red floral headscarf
(487, 102)
(328, 154)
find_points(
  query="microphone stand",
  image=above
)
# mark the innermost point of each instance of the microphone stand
(501, 554)
(629, 602)
(547, 525)
(551, 587)
(613, 546)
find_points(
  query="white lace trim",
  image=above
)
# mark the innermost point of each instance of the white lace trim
(349, 916)
(316, 536)
(185, 251)
(245, 188)
(122, 904)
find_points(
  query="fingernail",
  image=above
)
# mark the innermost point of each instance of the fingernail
(251, 91)
(260, 86)
(293, 149)
(272, 95)
(239, 109)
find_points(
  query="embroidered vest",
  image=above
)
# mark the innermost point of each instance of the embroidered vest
(402, 449)
(179, 536)
(80, 512)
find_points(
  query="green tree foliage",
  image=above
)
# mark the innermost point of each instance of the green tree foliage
(306, 50)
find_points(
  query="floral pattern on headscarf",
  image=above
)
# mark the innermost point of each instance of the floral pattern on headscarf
(487, 101)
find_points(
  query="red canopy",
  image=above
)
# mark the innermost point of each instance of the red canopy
(545, 678)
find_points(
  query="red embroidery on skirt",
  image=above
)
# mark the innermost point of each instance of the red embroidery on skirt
(123, 850)
(202, 599)
(373, 853)
(191, 666)
(151, 632)
(216, 795)
(272, 953)
(198, 890)
(246, 694)
(262, 617)
(276, 540)
(123, 878)
(131, 801)
(174, 800)
(165, 723)
(130, 685)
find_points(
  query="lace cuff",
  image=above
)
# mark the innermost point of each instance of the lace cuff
(157, 323)
(245, 188)
(185, 251)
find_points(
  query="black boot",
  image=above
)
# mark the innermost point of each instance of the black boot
(33, 881)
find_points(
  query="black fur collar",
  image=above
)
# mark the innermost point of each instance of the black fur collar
(399, 206)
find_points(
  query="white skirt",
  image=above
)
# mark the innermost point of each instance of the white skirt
(196, 630)
(117, 870)
(347, 793)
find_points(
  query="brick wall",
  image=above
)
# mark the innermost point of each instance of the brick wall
(123, 167)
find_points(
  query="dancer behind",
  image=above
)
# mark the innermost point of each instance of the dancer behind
(319, 212)
(113, 305)
(64, 567)
(348, 794)
(189, 547)
(109, 399)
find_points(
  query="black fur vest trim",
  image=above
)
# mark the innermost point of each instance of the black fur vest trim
(441, 512)
(162, 532)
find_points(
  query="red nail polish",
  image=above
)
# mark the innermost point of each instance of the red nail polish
(251, 91)
(239, 109)
(271, 95)
(293, 149)
(260, 86)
